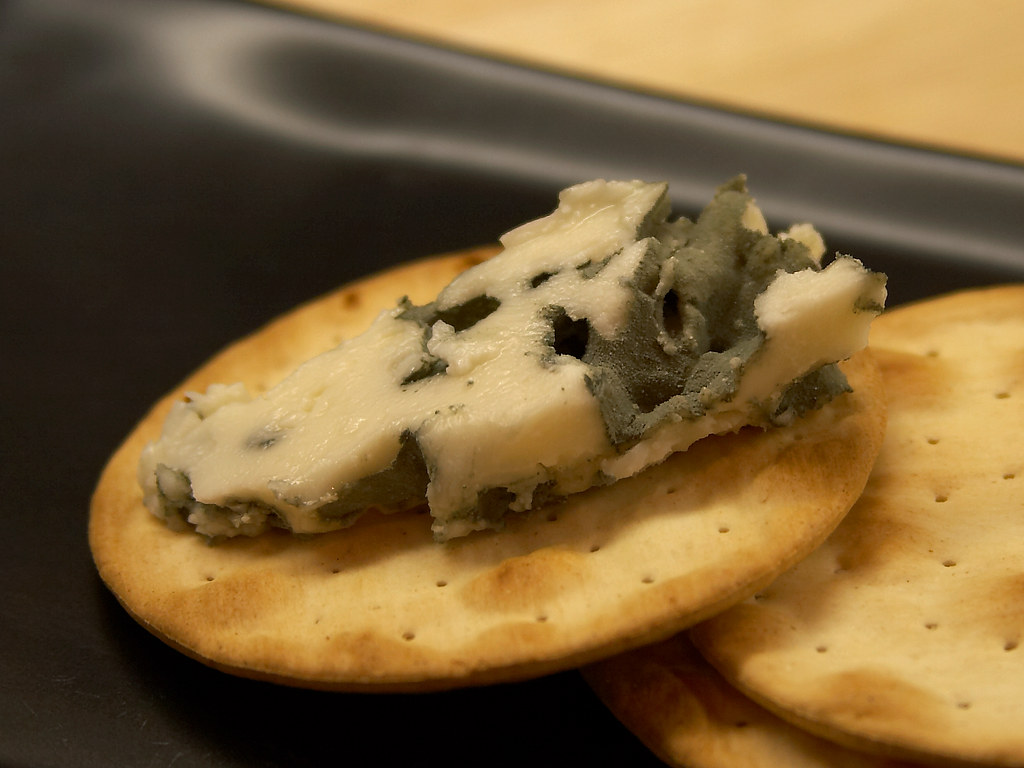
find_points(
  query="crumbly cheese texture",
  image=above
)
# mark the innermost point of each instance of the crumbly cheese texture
(603, 338)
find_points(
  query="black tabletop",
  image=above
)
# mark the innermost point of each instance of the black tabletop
(173, 173)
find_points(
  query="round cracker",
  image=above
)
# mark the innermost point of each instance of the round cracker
(685, 712)
(381, 606)
(902, 632)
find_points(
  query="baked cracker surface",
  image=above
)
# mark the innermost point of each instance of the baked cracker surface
(902, 633)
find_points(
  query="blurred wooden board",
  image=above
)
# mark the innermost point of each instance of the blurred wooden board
(943, 74)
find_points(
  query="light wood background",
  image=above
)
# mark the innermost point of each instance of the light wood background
(940, 73)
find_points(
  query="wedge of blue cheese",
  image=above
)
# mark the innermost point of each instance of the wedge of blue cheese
(603, 338)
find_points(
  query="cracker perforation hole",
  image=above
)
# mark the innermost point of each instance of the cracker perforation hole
(542, 618)
(441, 583)
(821, 648)
(963, 705)
(595, 547)
(931, 625)
(648, 579)
(1002, 395)
(941, 498)
(723, 529)
(407, 636)
(1011, 645)
(949, 562)
(210, 578)
(1009, 475)
(933, 441)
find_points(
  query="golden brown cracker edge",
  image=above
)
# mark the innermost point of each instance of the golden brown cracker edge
(679, 707)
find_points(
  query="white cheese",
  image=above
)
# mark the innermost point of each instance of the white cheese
(502, 398)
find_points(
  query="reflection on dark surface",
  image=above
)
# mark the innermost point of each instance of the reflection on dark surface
(175, 173)
(233, 721)
(345, 94)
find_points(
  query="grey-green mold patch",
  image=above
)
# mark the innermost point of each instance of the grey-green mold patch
(691, 327)
(403, 483)
(461, 318)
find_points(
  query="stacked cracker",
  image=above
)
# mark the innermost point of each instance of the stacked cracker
(897, 639)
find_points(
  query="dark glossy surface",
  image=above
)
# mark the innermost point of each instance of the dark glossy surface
(174, 173)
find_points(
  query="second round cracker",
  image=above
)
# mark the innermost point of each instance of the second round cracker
(381, 606)
(686, 713)
(903, 633)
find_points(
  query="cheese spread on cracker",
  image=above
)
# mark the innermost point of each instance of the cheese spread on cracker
(602, 338)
